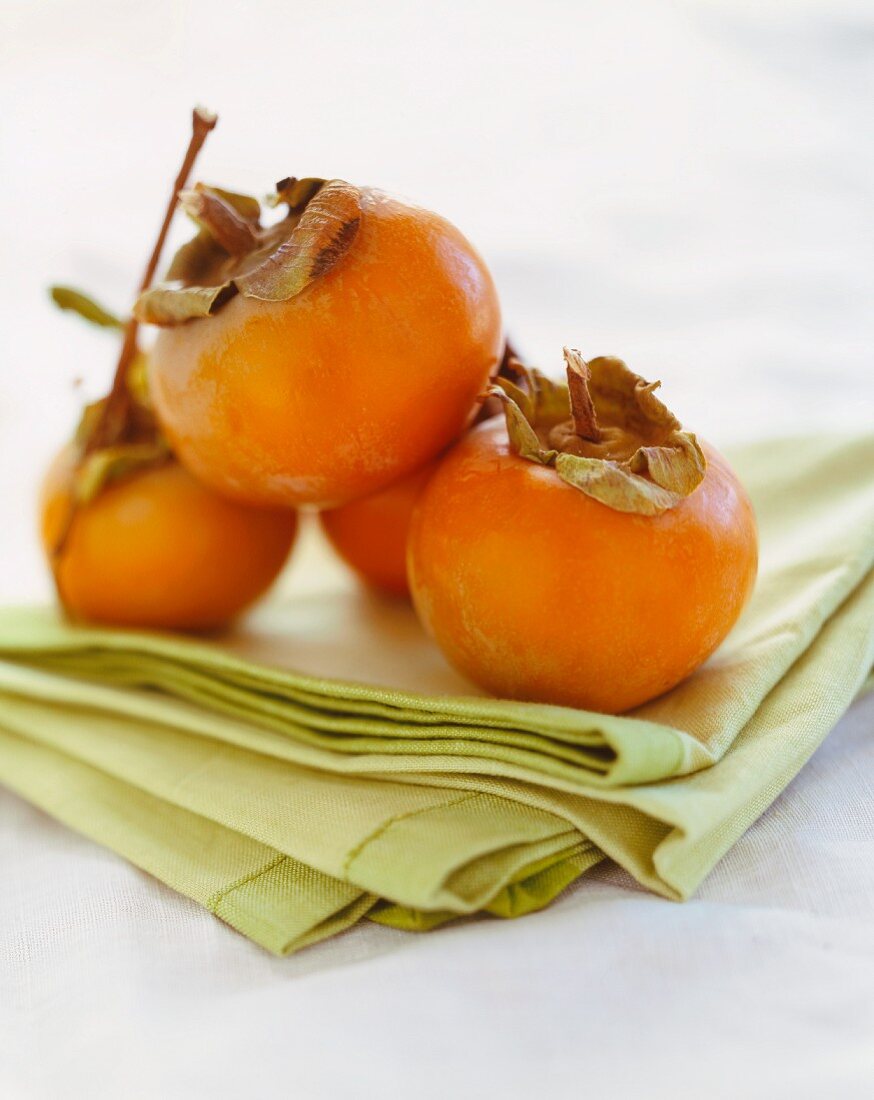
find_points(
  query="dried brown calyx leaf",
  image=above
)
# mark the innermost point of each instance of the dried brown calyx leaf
(113, 440)
(509, 367)
(604, 432)
(110, 464)
(233, 253)
(221, 214)
(138, 444)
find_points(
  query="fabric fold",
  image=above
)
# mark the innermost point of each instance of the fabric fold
(293, 805)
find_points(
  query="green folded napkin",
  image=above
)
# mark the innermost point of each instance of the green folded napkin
(293, 805)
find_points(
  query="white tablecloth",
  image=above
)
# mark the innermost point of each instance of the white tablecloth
(687, 185)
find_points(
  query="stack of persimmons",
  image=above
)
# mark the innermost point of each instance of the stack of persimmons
(342, 349)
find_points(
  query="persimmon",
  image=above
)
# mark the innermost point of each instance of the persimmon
(321, 358)
(131, 537)
(370, 534)
(159, 549)
(585, 551)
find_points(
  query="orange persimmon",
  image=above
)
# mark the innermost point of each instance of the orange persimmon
(321, 359)
(370, 534)
(593, 562)
(158, 549)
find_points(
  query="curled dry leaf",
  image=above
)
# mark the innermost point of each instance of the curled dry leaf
(323, 235)
(233, 254)
(196, 260)
(139, 444)
(219, 217)
(167, 305)
(605, 433)
(295, 193)
(247, 206)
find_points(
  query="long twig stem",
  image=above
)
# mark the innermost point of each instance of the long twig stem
(114, 417)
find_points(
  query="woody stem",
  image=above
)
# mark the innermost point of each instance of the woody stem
(115, 410)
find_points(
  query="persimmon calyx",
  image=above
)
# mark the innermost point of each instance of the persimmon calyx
(233, 253)
(604, 432)
(110, 464)
(139, 445)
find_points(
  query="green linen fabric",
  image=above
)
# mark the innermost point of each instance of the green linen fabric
(292, 806)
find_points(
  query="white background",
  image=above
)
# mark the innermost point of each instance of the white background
(687, 185)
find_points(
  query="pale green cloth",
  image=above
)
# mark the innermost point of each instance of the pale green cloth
(292, 806)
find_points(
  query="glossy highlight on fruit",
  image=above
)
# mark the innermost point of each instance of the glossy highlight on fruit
(356, 380)
(537, 590)
(370, 534)
(158, 549)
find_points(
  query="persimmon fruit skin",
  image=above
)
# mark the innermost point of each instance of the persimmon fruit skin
(358, 380)
(536, 591)
(370, 534)
(160, 550)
